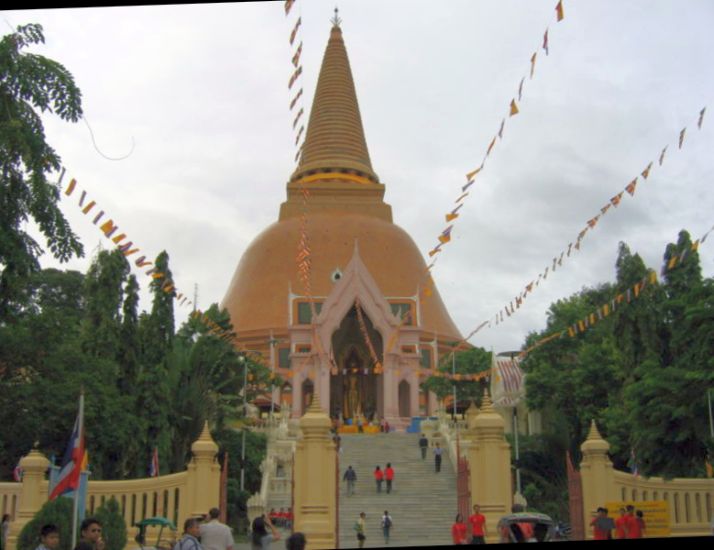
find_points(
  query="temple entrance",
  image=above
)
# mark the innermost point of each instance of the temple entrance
(355, 391)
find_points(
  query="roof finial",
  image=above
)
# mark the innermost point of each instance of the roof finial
(336, 19)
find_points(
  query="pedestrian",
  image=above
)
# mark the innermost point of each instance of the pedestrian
(621, 525)
(641, 521)
(49, 537)
(438, 451)
(378, 477)
(458, 530)
(386, 526)
(602, 525)
(5, 530)
(338, 442)
(260, 539)
(389, 476)
(386, 426)
(191, 532)
(296, 541)
(423, 445)
(214, 534)
(359, 528)
(350, 477)
(478, 526)
(90, 532)
(634, 529)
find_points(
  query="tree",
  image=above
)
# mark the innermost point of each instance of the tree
(472, 361)
(58, 512)
(113, 524)
(30, 83)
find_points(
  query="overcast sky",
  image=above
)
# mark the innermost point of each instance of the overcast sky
(202, 92)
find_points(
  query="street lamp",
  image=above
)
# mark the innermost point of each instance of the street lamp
(242, 360)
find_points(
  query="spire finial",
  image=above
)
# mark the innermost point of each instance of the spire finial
(336, 19)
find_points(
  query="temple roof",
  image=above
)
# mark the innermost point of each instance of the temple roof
(335, 139)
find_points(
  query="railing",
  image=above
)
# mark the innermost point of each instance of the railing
(689, 500)
(10, 497)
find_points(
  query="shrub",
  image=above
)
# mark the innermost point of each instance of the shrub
(57, 511)
(113, 524)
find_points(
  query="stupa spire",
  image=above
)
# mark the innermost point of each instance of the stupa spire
(335, 141)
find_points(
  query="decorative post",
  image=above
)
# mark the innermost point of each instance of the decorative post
(489, 456)
(315, 479)
(34, 492)
(597, 475)
(204, 477)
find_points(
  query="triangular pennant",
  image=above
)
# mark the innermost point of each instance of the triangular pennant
(559, 10)
(616, 199)
(630, 188)
(661, 155)
(681, 137)
(545, 41)
(514, 108)
(295, 30)
(520, 88)
(471, 175)
(296, 57)
(701, 118)
(533, 60)
(646, 171)
(500, 130)
(493, 142)
(605, 208)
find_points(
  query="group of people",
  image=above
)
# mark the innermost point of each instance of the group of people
(476, 522)
(629, 525)
(283, 518)
(384, 475)
(438, 452)
(90, 536)
(361, 525)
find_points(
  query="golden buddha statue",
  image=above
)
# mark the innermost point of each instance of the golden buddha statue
(352, 398)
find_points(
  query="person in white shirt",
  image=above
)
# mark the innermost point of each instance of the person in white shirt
(214, 534)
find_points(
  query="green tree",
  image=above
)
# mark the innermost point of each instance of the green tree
(113, 524)
(30, 83)
(130, 348)
(58, 512)
(471, 361)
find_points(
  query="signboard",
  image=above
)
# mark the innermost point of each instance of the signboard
(654, 512)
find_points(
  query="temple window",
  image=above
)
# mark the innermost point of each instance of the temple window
(425, 358)
(304, 312)
(399, 309)
(284, 358)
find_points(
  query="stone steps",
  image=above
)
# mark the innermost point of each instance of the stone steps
(422, 503)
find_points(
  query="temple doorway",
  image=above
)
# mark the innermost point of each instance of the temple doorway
(355, 390)
(308, 388)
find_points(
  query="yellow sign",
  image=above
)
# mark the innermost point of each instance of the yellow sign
(655, 513)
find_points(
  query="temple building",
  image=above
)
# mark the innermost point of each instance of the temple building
(365, 274)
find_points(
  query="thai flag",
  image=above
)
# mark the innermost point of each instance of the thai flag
(71, 467)
(154, 464)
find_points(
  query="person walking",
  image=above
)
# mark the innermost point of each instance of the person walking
(602, 525)
(478, 526)
(438, 451)
(260, 539)
(423, 446)
(214, 534)
(641, 522)
(359, 527)
(458, 530)
(378, 477)
(350, 477)
(191, 532)
(634, 529)
(389, 476)
(386, 526)
(49, 538)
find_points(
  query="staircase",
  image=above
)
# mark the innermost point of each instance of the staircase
(422, 503)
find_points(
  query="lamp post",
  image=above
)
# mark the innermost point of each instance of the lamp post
(453, 374)
(272, 343)
(243, 361)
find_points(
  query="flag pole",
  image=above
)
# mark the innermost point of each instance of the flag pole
(75, 508)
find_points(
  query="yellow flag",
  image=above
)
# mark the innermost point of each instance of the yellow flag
(710, 470)
(70, 187)
(450, 217)
(559, 10)
(653, 277)
(672, 262)
(473, 173)
(514, 107)
(493, 142)
(695, 245)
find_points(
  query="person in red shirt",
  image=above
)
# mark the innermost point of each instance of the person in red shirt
(621, 525)
(478, 526)
(641, 521)
(602, 525)
(458, 530)
(389, 476)
(378, 477)
(634, 529)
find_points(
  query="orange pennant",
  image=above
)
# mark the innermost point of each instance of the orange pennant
(559, 10)
(616, 199)
(514, 108)
(533, 60)
(631, 187)
(646, 171)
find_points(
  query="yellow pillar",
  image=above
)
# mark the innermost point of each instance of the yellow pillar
(489, 456)
(204, 478)
(315, 482)
(597, 476)
(34, 493)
